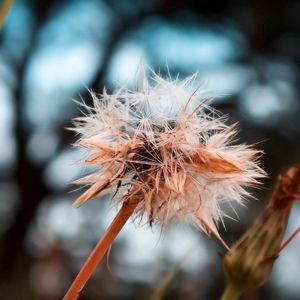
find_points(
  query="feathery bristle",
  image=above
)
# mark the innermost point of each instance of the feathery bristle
(165, 145)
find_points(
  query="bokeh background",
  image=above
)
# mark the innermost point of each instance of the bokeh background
(247, 53)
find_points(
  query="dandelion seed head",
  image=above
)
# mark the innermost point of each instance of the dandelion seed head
(165, 145)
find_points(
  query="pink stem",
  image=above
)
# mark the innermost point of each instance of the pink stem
(289, 239)
(100, 250)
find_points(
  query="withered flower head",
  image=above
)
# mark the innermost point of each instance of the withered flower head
(166, 147)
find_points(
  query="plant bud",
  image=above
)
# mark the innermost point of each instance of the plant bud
(249, 262)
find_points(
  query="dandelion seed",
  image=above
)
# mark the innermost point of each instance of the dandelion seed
(165, 153)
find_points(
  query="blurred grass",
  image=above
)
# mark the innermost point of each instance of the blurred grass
(5, 10)
(165, 283)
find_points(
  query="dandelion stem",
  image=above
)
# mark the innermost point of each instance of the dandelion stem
(231, 292)
(100, 249)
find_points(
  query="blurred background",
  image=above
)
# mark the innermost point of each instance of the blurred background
(247, 53)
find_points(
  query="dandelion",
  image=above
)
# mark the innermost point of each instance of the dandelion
(163, 152)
